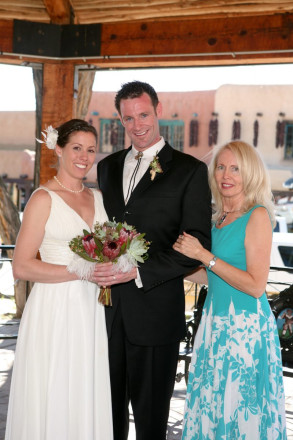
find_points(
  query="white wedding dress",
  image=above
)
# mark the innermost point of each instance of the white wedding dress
(60, 387)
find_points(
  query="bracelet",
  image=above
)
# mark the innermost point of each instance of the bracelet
(212, 263)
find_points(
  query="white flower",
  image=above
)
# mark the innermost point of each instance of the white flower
(136, 249)
(50, 137)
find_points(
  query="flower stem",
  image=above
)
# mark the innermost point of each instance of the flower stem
(105, 296)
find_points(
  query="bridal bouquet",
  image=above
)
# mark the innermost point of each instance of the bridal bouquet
(112, 241)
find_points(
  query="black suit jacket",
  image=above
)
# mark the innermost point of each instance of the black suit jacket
(176, 200)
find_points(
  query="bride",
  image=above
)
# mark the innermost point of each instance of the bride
(60, 385)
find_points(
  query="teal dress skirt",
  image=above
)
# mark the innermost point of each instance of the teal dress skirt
(235, 387)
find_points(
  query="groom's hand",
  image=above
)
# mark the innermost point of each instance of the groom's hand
(105, 275)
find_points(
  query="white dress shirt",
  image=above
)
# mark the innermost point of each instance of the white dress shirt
(129, 166)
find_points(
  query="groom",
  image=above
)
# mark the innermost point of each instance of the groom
(162, 192)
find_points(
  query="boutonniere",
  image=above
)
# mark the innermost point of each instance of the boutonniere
(155, 167)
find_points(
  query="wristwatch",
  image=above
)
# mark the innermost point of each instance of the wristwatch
(212, 263)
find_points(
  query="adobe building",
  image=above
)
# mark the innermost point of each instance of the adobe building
(263, 117)
(193, 122)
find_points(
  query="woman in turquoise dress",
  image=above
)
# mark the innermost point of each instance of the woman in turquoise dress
(235, 387)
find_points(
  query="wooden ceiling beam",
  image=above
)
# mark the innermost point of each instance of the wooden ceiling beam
(59, 11)
(6, 36)
(110, 11)
(33, 14)
(180, 42)
(199, 39)
(126, 11)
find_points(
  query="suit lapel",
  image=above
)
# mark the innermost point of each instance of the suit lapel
(118, 173)
(165, 156)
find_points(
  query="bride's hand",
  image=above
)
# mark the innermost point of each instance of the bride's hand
(188, 245)
(106, 275)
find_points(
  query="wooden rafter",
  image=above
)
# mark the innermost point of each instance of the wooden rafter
(112, 11)
(59, 11)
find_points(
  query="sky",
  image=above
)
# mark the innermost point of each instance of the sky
(17, 89)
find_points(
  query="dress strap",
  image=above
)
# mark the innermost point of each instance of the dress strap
(41, 187)
(247, 215)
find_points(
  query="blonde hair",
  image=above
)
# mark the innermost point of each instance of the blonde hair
(255, 178)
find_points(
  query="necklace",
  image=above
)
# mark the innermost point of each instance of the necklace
(68, 189)
(225, 213)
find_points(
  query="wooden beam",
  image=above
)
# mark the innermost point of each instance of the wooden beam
(6, 36)
(34, 10)
(239, 40)
(85, 86)
(59, 11)
(213, 36)
(100, 11)
(198, 42)
(173, 13)
(110, 11)
(57, 105)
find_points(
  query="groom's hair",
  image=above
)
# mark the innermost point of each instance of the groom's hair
(135, 89)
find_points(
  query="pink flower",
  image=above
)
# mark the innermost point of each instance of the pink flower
(111, 249)
(125, 235)
(89, 245)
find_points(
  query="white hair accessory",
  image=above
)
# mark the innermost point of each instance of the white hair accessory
(50, 137)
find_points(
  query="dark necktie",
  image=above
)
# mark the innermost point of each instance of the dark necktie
(132, 179)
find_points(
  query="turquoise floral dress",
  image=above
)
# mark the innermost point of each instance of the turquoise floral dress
(235, 387)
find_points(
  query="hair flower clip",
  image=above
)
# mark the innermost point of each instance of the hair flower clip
(50, 137)
(155, 166)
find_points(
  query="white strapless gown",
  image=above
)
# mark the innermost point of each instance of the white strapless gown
(60, 387)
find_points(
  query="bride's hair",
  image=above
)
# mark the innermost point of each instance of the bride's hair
(65, 130)
(255, 178)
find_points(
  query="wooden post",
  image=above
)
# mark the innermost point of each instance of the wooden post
(85, 87)
(57, 107)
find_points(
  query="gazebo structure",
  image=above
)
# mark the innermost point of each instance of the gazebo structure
(66, 41)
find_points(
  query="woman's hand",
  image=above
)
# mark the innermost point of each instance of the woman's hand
(105, 275)
(188, 245)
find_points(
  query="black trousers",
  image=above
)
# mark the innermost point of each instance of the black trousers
(145, 376)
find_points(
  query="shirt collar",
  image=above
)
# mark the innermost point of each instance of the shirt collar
(150, 152)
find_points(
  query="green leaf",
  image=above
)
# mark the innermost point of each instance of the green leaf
(86, 257)
(98, 243)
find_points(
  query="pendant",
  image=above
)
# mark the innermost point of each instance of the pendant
(139, 155)
(223, 218)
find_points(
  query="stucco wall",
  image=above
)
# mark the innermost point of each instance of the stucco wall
(183, 104)
(17, 130)
(250, 100)
(15, 163)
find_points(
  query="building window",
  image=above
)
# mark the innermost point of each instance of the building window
(193, 133)
(286, 253)
(111, 135)
(288, 140)
(173, 133)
